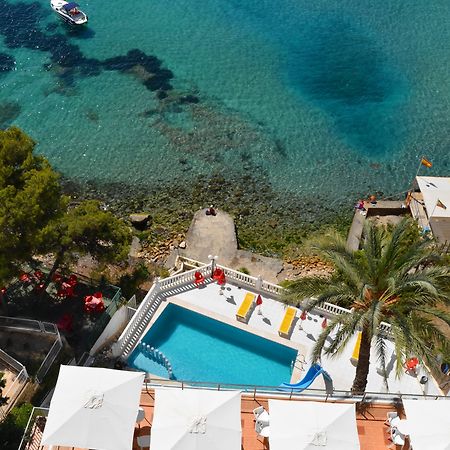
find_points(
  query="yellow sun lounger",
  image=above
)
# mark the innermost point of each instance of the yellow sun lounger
(245, 310)
(287, 323)
(355, 355)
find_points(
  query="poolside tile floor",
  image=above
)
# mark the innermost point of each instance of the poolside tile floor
(223, 302)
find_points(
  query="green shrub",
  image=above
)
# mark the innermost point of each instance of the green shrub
(13, 427)
(129, 283)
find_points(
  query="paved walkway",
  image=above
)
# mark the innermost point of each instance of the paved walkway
(216, 235)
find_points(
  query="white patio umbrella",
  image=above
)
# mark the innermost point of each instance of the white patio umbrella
(196, 419)
(93, 408)
(312, 425)
(428, 423)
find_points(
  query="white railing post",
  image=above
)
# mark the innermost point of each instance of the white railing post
(259, 282)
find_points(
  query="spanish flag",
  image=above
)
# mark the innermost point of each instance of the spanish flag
(426, 163)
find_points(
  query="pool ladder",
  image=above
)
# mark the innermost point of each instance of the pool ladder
(157, 356)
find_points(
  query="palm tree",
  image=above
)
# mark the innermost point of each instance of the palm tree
(396, 278)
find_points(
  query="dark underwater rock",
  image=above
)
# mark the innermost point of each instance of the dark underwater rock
(9, 111)
(189, 98)
(7, 63)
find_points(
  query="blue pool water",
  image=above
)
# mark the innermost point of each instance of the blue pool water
(330, 97)
(202, 349)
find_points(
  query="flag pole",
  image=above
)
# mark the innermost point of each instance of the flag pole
(420, 165)
(411, 188)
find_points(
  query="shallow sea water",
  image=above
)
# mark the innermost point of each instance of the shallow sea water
(325, 98)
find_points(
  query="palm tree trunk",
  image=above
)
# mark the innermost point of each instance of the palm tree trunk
(362, 368)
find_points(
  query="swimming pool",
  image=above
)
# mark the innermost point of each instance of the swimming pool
(203, 349)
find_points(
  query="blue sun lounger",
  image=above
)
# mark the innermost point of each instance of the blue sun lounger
(314, 371)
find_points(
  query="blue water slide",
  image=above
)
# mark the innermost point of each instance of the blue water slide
(314, 371)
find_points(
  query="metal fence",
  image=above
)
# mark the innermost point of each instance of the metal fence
(35, 326)
(32, 436)
(18, 323)
(49, 359)
(15, 388)
(274, 391)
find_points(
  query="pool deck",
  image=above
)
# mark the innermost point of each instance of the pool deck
(222, 302)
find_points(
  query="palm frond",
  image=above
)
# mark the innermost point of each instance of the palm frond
(346, 268)
(435, 312)
(302, 288)
(348, 325)
(310, 292)
(321, 340)
(394, 245)
(380, 348)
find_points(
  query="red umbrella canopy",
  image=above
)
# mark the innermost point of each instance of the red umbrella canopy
(303, 316)
(258, 300)
(324, 323)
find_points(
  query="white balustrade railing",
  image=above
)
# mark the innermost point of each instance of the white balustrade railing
(133, 329)
(176, 283)
(332, 309)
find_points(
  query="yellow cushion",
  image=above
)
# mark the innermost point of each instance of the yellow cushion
(355, 355)
(246, 305)
(289, 316)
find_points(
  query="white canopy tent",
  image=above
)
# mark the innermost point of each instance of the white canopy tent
(93, 408)
(428, 423)
(196, 419)
(305, 425)
(435, 189)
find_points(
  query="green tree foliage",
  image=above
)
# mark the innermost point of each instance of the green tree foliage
(87, 229)
(35, 217)
(397, 278)
(30, 197)
(129, 283)
(13, 427)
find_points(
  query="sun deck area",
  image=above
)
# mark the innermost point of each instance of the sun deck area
(372, 432)
(222, 302)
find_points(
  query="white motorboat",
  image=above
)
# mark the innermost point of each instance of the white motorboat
(69, 12)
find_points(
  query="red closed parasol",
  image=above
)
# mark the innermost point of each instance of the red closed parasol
(198, 278)
(303, 317)
(259, 303)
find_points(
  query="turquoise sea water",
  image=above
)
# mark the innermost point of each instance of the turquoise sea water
(202, 349)
(328, 98)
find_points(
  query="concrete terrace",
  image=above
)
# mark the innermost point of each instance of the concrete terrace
(391, 210)
(216, 235)
(222, 302)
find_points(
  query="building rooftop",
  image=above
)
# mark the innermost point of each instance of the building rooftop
(436, 201)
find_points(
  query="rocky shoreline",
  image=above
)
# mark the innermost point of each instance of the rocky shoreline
(267, 222)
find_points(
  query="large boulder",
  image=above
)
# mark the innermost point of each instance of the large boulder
(140, 220)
